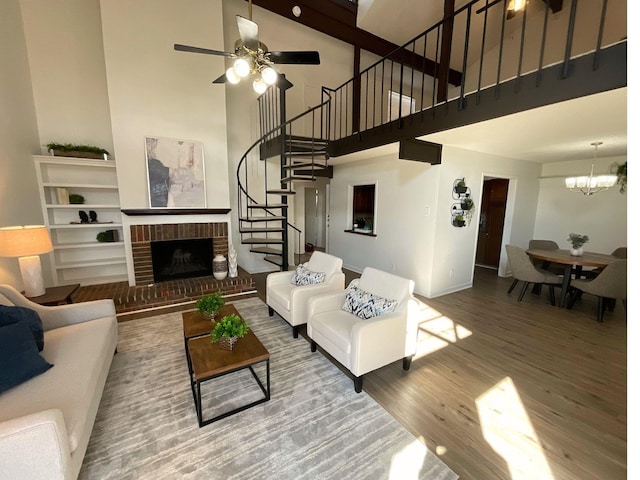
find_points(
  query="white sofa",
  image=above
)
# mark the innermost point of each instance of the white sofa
(290, 301)
(365, 345)
(46, 422)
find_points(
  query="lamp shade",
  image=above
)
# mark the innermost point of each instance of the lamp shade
(24, 241)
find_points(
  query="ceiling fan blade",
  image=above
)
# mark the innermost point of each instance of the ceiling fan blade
(221, 79)
(300, 58)
(187, 48)
(248, 32)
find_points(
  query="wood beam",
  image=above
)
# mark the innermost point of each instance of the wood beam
(337, 20)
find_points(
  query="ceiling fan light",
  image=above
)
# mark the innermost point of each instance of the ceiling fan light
(269, 75)
(232, 76)
(242, 67)
(570, 182)
(515, 5)
(606, 181)
(259, 86)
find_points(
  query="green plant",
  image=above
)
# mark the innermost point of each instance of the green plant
(70, 147)
(229, 326)
(210, 304)
(577, 240)
(461, 184)
(621, 172)
(75, 198)
(467, 203)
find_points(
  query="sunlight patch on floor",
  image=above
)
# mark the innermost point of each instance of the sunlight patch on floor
(507, 428)
(436, 331)
(407, 463)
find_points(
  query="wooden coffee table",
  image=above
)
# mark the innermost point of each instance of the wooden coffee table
(208, 360)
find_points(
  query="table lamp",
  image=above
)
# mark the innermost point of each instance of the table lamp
(27, 243)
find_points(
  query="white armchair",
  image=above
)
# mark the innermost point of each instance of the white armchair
(365, 345)
(290, 301)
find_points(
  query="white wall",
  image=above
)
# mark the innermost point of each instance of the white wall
(18, 137)
(66, 59)
(415, 237)
(156, 91)
(336, 66)
(601, 216)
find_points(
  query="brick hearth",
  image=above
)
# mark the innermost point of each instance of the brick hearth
(130, 299)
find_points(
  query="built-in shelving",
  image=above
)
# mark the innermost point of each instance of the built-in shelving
(78, 256)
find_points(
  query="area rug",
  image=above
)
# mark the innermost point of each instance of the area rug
(314, 426)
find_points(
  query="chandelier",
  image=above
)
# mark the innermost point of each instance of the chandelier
(255, 63)
(591, 184)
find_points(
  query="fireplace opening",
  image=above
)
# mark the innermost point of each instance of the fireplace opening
(184, 258)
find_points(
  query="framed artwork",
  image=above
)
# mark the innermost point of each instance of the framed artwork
(175, 173)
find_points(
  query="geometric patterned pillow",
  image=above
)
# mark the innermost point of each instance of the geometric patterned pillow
(304, 276)
(366, 305)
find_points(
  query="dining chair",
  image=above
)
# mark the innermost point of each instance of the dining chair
(609, 286)
(543, 245)
(523, 270)
(620, 252)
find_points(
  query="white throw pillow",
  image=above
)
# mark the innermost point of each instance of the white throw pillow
(304, 276)
(366, 305)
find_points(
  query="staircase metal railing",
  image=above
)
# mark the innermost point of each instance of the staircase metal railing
(503, 47)
(302, 135)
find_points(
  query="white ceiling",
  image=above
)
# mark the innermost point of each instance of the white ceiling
(554, 133)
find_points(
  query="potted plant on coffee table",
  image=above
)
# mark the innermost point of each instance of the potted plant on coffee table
(210, 304)
(577, 241)
(228, 330)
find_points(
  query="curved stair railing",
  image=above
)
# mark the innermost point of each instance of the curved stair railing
(299, 148)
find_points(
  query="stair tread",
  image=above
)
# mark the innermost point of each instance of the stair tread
(257, 240)
(304, 165)
(281, 192)
(266, 205)
(273, 259)
(298, 178)
(261, 230)
(266, 250)
(274, 218)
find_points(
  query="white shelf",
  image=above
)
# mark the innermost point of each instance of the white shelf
(78, 257)
(79, 185)
(95, 263)
(70, 246)
(85, 206)
(86, 225)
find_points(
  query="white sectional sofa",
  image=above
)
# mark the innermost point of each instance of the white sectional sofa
(46, 422)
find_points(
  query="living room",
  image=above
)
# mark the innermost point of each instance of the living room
(117, 79)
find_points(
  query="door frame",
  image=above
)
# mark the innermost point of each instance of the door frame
(503, 262)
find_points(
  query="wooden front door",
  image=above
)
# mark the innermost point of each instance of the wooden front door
(492, 209)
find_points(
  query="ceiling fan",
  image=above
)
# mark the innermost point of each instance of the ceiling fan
(253, 57)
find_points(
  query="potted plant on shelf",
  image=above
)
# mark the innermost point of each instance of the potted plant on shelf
(577, 241)
(228, 330)
(210, 304)
(467, 203)
(458, 221)
(72, 150)
(461, 186)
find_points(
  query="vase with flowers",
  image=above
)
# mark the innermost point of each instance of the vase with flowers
(577, 241)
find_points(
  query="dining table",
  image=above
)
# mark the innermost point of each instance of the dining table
(571, 264)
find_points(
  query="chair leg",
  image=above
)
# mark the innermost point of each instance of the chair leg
(611, 304)
(357, 383)
(513, 285)
(601, 302)
(573, 296)
(523, 291)
(295, 331)
(406, 362)
(552, 295)
(314, 346)
(270, 312)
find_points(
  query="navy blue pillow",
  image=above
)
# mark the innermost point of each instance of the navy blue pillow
(19, 356)
(9, 315)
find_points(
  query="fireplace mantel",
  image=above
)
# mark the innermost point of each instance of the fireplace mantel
(175, 211)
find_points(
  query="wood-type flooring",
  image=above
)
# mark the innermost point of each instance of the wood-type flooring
(508, 390)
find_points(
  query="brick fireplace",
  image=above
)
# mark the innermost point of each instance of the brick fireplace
(143, 235)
